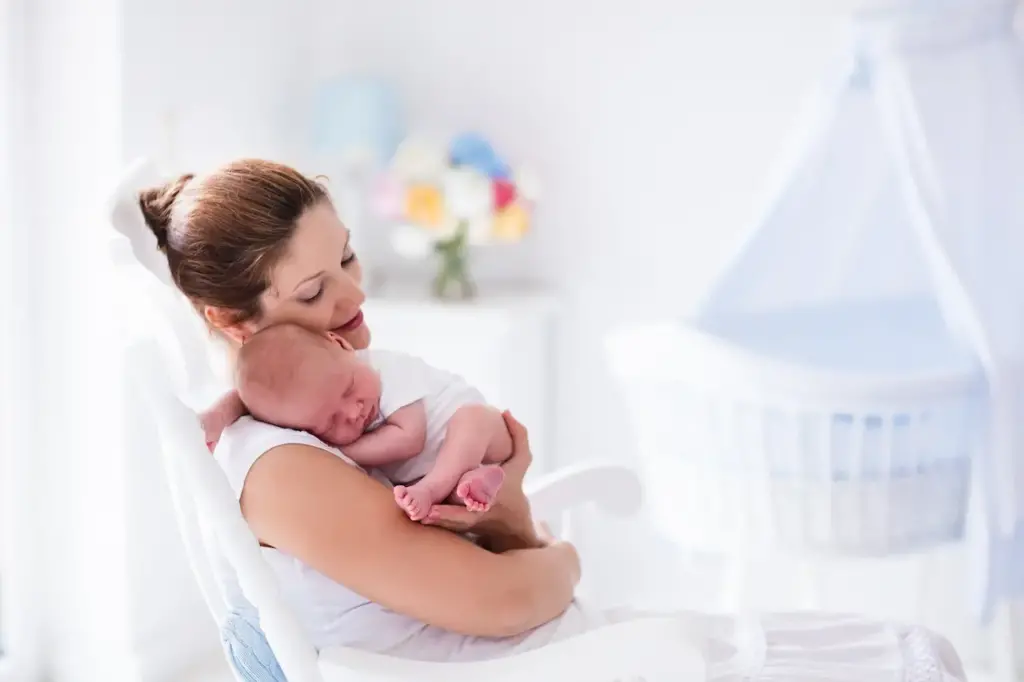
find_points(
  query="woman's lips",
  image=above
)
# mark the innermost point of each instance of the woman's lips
(351, 324)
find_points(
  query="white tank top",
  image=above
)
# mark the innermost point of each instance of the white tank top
(334, 615)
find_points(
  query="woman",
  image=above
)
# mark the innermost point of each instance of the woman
(255, 244)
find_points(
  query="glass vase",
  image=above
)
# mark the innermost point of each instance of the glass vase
(453, 281)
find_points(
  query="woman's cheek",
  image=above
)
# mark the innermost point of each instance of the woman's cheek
(323, 319)
(355, 271)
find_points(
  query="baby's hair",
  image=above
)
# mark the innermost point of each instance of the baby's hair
(270, 364)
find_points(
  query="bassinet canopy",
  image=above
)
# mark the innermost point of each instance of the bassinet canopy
(869, 331)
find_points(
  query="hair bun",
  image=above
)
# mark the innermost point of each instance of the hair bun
(156, 204)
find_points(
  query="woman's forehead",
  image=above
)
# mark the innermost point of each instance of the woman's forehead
(316, 246)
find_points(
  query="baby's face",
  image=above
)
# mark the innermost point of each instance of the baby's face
(344, 402)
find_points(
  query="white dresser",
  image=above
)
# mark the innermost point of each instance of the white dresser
(501, 342)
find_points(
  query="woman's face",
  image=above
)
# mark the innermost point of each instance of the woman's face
(316, 284)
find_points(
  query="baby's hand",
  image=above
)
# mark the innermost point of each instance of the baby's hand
(214, 422)
(226, 412)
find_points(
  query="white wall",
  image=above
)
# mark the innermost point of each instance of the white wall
(651, 128)
(208, 82)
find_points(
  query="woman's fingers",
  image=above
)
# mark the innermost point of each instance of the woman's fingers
(515, 468)
(520, 438)
(452, 517)
(544, 533)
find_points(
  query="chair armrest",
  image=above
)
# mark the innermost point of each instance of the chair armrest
(614, 488)
(656, 647)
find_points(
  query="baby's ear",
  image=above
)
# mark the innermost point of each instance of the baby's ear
(340, 340)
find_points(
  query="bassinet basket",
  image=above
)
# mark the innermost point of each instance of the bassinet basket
(846, 429)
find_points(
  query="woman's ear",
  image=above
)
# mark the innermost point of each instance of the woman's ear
(340, 340)
(223, 320)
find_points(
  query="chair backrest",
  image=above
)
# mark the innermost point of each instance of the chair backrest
(134, 245)
(223, 553)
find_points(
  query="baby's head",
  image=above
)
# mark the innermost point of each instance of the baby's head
(292, 377)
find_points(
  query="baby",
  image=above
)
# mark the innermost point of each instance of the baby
(427, 430)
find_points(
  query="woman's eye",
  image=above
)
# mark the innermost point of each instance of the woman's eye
(315, 297)
(348, 259)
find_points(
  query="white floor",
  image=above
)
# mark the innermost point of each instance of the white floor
(213, 670)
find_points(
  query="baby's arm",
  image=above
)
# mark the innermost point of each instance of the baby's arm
(401, 437)
(475, 435)
(223, 414)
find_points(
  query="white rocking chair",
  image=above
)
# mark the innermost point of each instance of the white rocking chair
(217, 537)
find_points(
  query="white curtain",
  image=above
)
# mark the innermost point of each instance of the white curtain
(72, 133)
(20, 556)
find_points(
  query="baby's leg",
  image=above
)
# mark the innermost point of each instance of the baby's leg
(475, 434)
(478, 487)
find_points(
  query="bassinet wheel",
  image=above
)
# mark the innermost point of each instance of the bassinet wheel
(848, 429)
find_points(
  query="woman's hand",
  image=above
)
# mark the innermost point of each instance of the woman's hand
(508, 524)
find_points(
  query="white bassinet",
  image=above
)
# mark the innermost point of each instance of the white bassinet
(787, 415)
(848, 428)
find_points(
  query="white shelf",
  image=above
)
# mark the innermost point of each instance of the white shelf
(505, 298)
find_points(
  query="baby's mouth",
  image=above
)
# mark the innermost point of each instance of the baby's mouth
(371, 414)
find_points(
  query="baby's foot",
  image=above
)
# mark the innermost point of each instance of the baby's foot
(478, 488)
(416, 500)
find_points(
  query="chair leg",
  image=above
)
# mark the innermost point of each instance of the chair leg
(567, 530)
(1004, 654)
(735, 591)
(810, 570)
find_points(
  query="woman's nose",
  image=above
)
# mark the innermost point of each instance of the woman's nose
(350, 298)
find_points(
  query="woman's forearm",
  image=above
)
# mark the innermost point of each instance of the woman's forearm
(312, 505)
(539, 586)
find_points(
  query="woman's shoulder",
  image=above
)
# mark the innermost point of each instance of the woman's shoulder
(248, 439)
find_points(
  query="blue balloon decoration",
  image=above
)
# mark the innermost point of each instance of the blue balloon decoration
(498, 170)
(471, 149)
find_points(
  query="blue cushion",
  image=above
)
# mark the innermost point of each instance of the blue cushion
(247, 648)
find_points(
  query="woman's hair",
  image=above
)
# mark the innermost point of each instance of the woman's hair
(223, 233)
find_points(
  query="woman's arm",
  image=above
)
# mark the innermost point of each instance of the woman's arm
(314, 506)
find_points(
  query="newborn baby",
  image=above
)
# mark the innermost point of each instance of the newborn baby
(427, 430)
